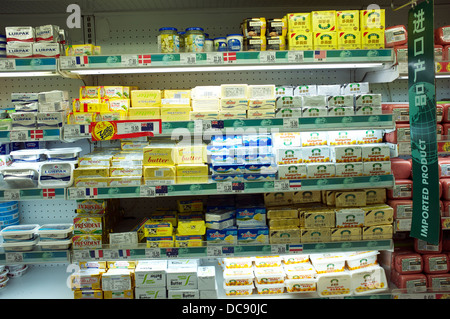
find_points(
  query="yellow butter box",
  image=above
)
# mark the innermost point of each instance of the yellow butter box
(284, 235)
(300, 40)
(124, 181)
(372, 19)
(78, 104)
(90, 172)
(203, 115)
(316, 235)
(121, 294)
(88, 224)
(378, 215)
(112, 92)
(188, 206)
(377, 232)
(282, 213)
(349, 40)
(160, 242)
(121, 171)
(90, 92)
(192, 173)
(87, 241)
(82, 118)
(372, 39)
(80, 49)
(159, 154)
(119, 105)
(318, 218)
(191, 227)
(325, 40)
(154, 175)
(87, 279)
(350, 198)
(173, 114)
(347, 20)
(346, 234)
(177, 94)
(156, 228)
(323, 21)
(113, 116)
(188, 241)
(146, 98)
(232, 114)
(150, 113)
(299, 22)
(284, 222)
(88, 294)
(193, 154)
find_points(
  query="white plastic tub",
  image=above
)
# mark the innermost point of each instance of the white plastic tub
(4, 283)
(55, 231)
(28, 155)
(18, 272)
(19, 246)
(295, 259)
(368, 280)
(56, 174)
(267, 261)
(238, 277)
(238, 290)
(63, 154)
(271, 289)
(238, 262)
(55, 244)
(300, 271)
(17, 178)
(19, 232)
(270, 275)
(300, 285)
(4, 274)
(363, 259)
(328, 263)
(334, 284)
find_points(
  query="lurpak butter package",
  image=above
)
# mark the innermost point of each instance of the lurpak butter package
(19, 50)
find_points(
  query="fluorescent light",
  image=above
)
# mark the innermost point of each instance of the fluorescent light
(26, 74)
(229, 68)
(437, 76)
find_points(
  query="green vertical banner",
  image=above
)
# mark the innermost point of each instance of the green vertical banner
(422, 109)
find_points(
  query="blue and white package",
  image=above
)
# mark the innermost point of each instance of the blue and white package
(257, 140)
(5, 149)
(229, 169)
(234, 42)
(35, 145)
(222, 236)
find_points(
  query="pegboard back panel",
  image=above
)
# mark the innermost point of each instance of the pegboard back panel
(48, 211)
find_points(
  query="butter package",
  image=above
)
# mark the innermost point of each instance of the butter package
(372, 19)
(232, 114)
(90, 172)
(90, 92)
(316, 235)
(377, 232)
(122, 171)
(282, 213)
(150, 293)
(20, 34)
(349, 217)
(46, 50)
(80, 49)
(99, 161)
(146, 98)
(177, 94)
(19, 50)
(191, 227)
(113, 116)
(50, 120)
(375, 152)
(234, 91)
(159, 175)
(191, 173)
(207, 104)
(349, 40)
(320, 170)
(375, 196)
(346, 153)
(325, 40)
(82, 118)
(372, 39)
(91, 206)
(253, 235)
(278, 223)
(349, 169)
(188, 240)
(350, 198)
(369, 136)
(160, 241)
(368, 110)
(233, 104)
(347, 20)
(117, 280)
(340, 111)
(203, 115)
(344, 100)
(286, 139)
(377, 168)
(251, 216)
(191, 205)
(299, 22)
(87, 241)
(319, 218)
(314, 138)
(323, 21)
(267, 104)
(284, 235)
(182, 277)
(346, 234)
(88, 294)
(305, 90)
(175, 102)
(316, 154)
(300, 40)
(291, 171)
(174, 114)
(315, 101)
(343, 137)
(287, 112)
(155, 228)
(276, 43)
(378, 215)
(278, 199)
(260, 114)
(119, 105)
(87, 279)
(113, 92)
(303, 197)
(119, 294)
(261, 92)
(23, 120)
(87, 225)
(159, 154)
(150, 113)
(289, 101)
(221, 236)
(191, 154)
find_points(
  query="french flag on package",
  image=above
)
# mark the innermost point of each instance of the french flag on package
(82, 60)
(96, 253)
(91, 192)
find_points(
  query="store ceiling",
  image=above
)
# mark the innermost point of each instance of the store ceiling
(93, 6)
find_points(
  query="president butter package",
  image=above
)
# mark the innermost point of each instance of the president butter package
(87, 225)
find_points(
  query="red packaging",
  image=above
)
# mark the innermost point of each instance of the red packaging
(445, 182)
(402, 207)
(401, 52)
(442, 35)
(408, 263)
(435, 263)
(395, 36)
(446, 127)
(403, 189)
(445, 208)
(412, 283)
(400, 111)
(401, 168)
(422, 247)
(439, 113)
(438, 52)
(439, 282)
(444, 166)
(400, 134)
(446, 108)
(440, 131)
(446, 53)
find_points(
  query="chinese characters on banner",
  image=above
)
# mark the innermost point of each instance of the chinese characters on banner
(422, 104)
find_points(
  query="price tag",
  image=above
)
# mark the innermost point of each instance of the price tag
(110, 254)
(14, 257)
(217, 124)
(11, 194)
(296, 56)
(82, 193)
(202, 125)
(188, 58)
(67, 62)
(153, 253)
(129, 60)
(278, 249)
(224, 187)
(214, 57)
(18, 136)
(147, 191)
(291, 123)
(76, 131)
(281, 186)
(214, 251)
(296, 249)
(128, 128)
(267, 57)
(238, 187)
(7, 64)
(227, 251)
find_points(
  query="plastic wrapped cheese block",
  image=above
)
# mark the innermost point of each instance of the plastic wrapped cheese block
(401, 168)
(403, 189)
(442, 35)
(395, 36)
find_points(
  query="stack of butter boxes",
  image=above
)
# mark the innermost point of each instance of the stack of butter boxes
(44, 110)
(336, 30)
(43, 41)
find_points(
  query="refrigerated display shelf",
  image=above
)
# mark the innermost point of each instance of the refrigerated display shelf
(30, 135)
(36, 256)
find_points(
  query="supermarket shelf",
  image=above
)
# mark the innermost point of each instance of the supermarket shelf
(213, 188)
(36, 256)
(226, 61)
(442, 71)
(33, 194)
(217, 251)
(28, 67)
(290, 124)
(30, 135)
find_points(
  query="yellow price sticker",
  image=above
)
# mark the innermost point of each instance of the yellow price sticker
(103, 131)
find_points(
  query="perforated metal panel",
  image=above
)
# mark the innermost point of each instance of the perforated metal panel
(48, 211)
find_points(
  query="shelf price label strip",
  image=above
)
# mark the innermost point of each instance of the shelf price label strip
(113, 130)
(31, 194)
(35, 135)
